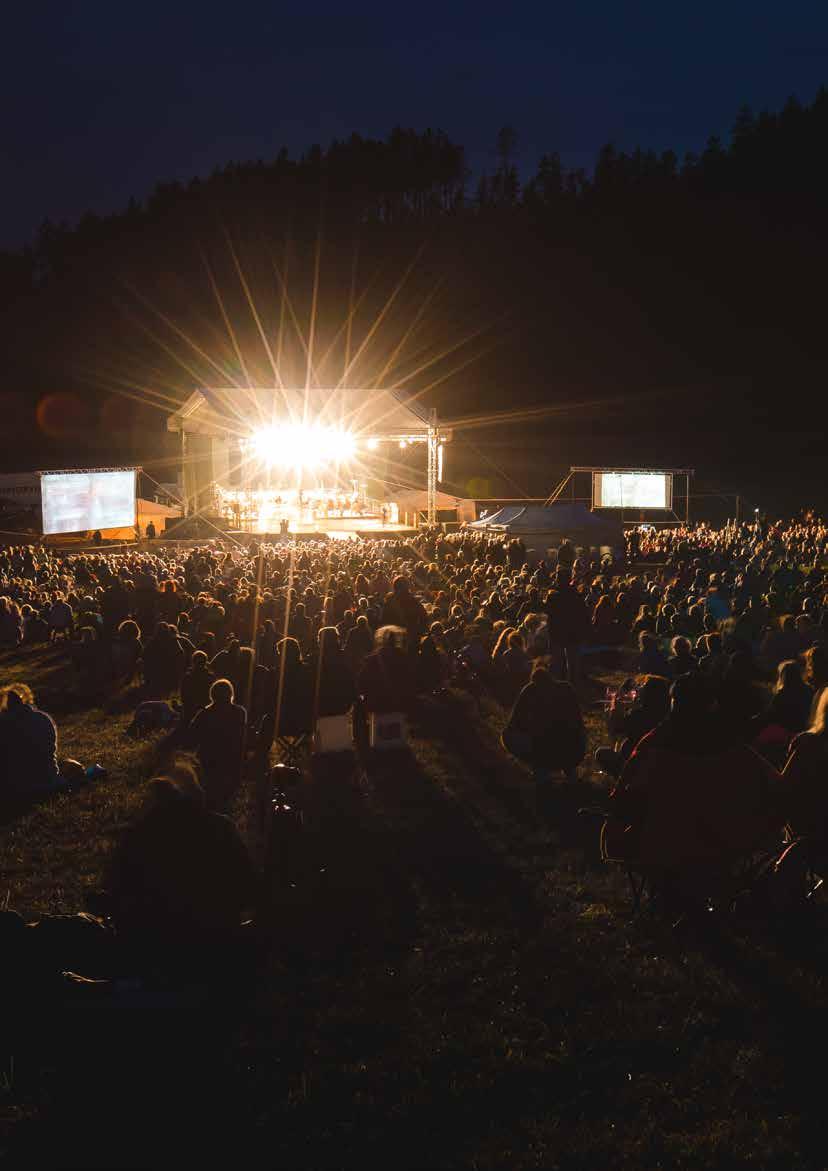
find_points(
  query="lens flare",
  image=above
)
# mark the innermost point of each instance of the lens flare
(297, 447)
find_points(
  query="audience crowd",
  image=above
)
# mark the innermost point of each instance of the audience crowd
(237, 647)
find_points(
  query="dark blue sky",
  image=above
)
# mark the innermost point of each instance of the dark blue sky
(100, 101)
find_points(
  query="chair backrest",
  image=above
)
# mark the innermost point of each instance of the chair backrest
(388, 730)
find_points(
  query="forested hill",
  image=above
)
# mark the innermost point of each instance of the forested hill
(658, 311)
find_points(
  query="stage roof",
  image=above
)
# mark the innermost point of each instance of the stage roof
(236, 411)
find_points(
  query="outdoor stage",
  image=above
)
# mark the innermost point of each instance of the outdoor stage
(337, 528)
(330, 460)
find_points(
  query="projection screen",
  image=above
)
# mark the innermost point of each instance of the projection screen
(632, 490)
(73, 502)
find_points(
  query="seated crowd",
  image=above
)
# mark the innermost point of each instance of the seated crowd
(726, 631)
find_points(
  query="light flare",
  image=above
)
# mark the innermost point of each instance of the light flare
(297, 446)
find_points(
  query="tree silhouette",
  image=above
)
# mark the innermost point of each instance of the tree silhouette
(646, 272)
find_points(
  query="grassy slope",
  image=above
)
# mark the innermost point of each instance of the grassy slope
(508, 1011)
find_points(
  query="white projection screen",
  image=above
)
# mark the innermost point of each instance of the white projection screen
(74, 502)
(632, 490)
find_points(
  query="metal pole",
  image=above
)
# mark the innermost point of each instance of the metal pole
(184, 495)
(556, 492)
(431, 491)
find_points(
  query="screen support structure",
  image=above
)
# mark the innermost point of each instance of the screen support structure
(571, 481)
(433, 454)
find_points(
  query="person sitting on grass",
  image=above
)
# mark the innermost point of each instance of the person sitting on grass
(431, 666)
(61, 619)
(607, 630)
(650, 660)
(217, 733)
(35, 626)
(88, 662)
(474, 654)
(335, 686)
(266, 645)
(682, 660)
(816, 672)
(180, 880)
(713, 662)
(403, 609)
(386, 680)
(195, 687)
(788, 713)
(29, 767)
(741, 698)
(163, 662)
(546, 728)
(126, 652)
(358, 644)
(253, 685)
(291, 710)
(692, 797)
(501, 644)
(514, 667)
(11, 624)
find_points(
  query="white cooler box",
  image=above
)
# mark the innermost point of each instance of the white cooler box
(333, 734)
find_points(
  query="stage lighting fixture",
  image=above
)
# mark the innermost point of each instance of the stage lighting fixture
(298, 446)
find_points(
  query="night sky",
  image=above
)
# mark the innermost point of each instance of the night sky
(102, 101)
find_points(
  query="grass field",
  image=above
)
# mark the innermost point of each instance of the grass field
(473, 991)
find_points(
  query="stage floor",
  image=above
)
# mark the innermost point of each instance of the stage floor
(334, 527)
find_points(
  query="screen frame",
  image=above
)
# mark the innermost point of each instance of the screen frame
(668, 490)
(90, 472)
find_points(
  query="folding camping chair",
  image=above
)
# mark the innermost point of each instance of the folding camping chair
(709, 885)
(292, 749)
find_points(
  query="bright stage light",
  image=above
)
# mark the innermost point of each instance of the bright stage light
(372, 444)
(296, 446)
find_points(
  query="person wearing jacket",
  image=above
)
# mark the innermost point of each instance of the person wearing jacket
(335, 687)
(546, 728)
(403, 609)
(195, 687)
(180, 880)
(693, 796)
(386, 680)
(218, 734)
(568, 622)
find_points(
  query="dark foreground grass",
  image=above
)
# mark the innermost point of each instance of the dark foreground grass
(462, 985)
